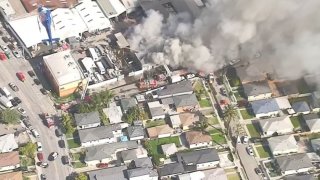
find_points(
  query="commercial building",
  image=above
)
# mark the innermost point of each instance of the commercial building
(63, 73)
(52, 4)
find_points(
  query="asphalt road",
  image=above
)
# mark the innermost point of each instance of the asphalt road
(248, 162)
(35, 103)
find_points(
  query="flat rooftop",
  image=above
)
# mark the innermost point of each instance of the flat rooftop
(63, 67)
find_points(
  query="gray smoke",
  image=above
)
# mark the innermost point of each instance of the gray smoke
(271, 34)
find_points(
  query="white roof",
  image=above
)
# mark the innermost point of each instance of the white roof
(276, 124)
(175, 120)
(114, 114)
(7, 143)
(282, 143)
(283, 102)
(92, 16)
(169, 149)
(121, 40)
(154, 104)
(111, 8)
(6, 6)
(63, 67)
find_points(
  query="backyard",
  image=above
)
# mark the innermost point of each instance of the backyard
(154, 147)
(78, 160)
(253, 130)
(296, 122)
(205, 102)
(263, 151)
(158, 122)
(217, 136)
(247, 114)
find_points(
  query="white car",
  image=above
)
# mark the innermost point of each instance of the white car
(245, 139)
(22, 111)
(16, 54)
(39, 146)
(35, 133)
(54, 155)
(250, 151)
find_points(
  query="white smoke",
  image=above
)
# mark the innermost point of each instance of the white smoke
(285, 34)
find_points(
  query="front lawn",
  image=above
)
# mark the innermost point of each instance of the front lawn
(73, 143)
(154, 147)
(233, 176)
(205, 103)
(295, 120)
(213, 120)
(78, 164)
(218, 139)
(26, 161)
(263, 151)
(253, 130)
(247, 114)
(153, 123)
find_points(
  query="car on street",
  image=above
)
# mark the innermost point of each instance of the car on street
(250, 151)
(65, 159)
(58, 132)
(5, 48)
(258, 171)
(16, 54)
(223, 91)
(31, 73)
(43, 177)
(61, 143)
(54, 155)
(40, 156)
(43, 164)
(21, 76)
(35, 133)
(17, 100)
(13, 87)
(21, 110)
(37, 81)
(219, 80)
(39, 146)
(43, 91)
(245, 140)
(14, 103)
(26, 123)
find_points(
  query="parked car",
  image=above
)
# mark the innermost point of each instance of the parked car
(43, 91)
(21, 76)
(43, 164)
(250, 151)
(54, 155)
(35, 133)
(31, 73)
(26, 123)
(65, 159)
(40, 156)
(258, 171)
(39, 146)
(17, 100)
(43, 177)
(58, 132)
(223, 91)
(245, 140)
(21, 110)
(16, 54)
(5, 48)
(36, 81)
(61, 143)
(13, 87)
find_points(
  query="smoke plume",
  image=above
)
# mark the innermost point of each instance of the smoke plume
(281, 35)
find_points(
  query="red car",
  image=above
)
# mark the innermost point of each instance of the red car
(21, 76)
(102, 165)
(40, 156)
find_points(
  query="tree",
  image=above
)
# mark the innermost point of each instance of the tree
(230, 114)
(28, 150)
(9, 116)
(104, 118)
(203, 123)
(81, 176)
(134, 113)
(83, 108)
(68, 123)
(106, 97)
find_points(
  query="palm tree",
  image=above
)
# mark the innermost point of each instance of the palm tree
(230, 114)
(106, 97)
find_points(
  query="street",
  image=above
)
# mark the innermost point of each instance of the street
(248, 162)
(35, 103)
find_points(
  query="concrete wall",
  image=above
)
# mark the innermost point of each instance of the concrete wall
(207, 165)
(98, 142)
(204, 144)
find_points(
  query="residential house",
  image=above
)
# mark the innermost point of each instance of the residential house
(132, 154)
(284, 104)
(99, 135)
(315, 143)
(12, 176)
(196, 139)
(7, 143)
(106, 153)
(175, 121)
(188, 120)
(300, 177)
(315, 101)
(265, 108)
(160, 131)
(114, 113)
(277, 125)
(186, 103)
(171, 170)
(199, 159)
(9, 161)
(257, 90)
(313, 122)
(143, 162)
(283, 144)
(301, 107)
(135, 132)
(128, 103)
(114, 173)
(181, 88)
(87, 120)
(156, 110)
(249, 73)
(294, 163)
(142, 173)
(169, 149)
(288, 88)
(216, 174)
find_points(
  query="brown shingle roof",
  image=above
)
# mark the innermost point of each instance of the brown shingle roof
(188, 119)
(11, 176)
(9, 159)
(159, 130)
(194, 137)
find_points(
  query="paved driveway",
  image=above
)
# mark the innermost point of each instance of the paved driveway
(248, 162)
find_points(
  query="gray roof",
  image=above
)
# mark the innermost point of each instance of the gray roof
(301, 177)
(167, 101)
(310, 116)
(312, 121)
(137, 172)
(275, 124)
(264, 106)
(87, 118)
(156, 111)
(315, 99)
(249, 73)
(128, 155)
(135, 131)
(185, 100)
(287, 88)
(105, 151)
(315, 143)
(101, 132)
(143, 162)
(300, 106)
(282, 143)
(183, 87)
(256, 88)
(198, 157)
(128, 103)
(114, 173)
(294, 162)
(171, 169)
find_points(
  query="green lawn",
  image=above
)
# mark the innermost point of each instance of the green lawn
(154, 147)
(198, 86)
(153, 123)
(246, 114)
(72, 143)
(78, 156)
(78, 164)
(238, 96)
(263, 151)
(213, 120)
(215, 131)
(252, 130)
(234, 176)
(205, 103)
(218, 138)
(26, 161)
(295, 120)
